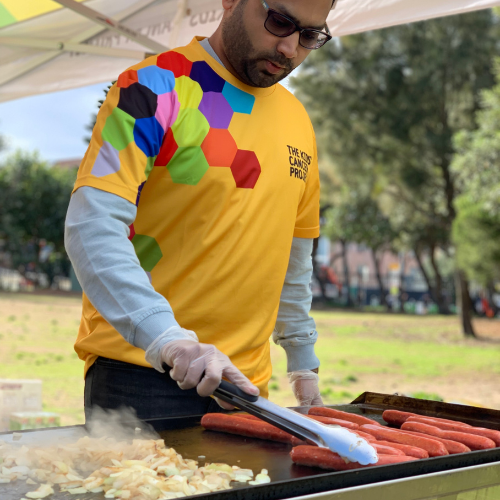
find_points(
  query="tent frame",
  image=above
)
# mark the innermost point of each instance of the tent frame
(76, 43)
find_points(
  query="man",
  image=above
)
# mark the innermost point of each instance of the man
(209, 168)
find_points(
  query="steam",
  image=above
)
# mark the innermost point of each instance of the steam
(121, 424)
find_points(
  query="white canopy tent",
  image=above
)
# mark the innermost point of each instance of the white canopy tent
(89, 42)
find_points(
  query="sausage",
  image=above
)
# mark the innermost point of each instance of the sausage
(300, 442)
(398, 418)
(434, 448)
(313, 456)
(343, 415)
(334, 421)
(411, 451)
(318, 418)
(474, 442)
(459, 427)
(244, 427)
(386, 449)
(453, 447)
(444, 420)
(395, 417)
(366, 436)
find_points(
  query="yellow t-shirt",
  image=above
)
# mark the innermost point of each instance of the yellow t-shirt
(224, 176)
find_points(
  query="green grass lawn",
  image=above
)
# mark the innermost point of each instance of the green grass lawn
(422, 356)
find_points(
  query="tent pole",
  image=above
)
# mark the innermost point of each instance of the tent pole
(43, 44)
(180, 13)
(112, 25)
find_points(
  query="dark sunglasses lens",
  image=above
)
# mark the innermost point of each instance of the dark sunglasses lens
(279, 25)
(312, 39)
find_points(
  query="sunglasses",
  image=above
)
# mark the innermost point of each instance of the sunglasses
(280, 25)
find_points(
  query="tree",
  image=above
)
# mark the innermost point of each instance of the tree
(386, 105)
(476, 230)
(476, 164)
(476, 233)
(357, 218)
(34, 200)
(93, 117)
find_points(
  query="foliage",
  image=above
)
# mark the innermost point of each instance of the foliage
(386, 104)
(34, 199)
(477, 164)
(93, 118)
(357, 218)
(476, 233)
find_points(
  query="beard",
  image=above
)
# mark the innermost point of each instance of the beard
(244, 59)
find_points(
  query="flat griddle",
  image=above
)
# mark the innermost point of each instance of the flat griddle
(288, 479)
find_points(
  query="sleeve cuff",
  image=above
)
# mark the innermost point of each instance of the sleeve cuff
(152, 327)
(306, 232)
(301, 357)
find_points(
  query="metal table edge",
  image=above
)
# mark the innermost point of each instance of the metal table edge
(424, 487)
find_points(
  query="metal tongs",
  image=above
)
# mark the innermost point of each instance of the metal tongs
(338, 439)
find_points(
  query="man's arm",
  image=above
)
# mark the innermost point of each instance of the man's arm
(107, 267)
(295, 330)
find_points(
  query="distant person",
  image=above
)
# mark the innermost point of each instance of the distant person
(190, 227)
(485, 307)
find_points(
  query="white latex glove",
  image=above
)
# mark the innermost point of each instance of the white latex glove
(305, 387)
(203, 366)
(153, 353)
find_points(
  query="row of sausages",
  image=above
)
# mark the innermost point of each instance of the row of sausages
(417, 437)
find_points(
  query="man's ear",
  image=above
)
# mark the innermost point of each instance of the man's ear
(229, 5)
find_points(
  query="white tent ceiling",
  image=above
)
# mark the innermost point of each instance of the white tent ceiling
(93, 41)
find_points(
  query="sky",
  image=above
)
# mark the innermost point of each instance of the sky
(53, 124)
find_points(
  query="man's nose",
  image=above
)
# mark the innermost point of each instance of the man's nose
(288, 45)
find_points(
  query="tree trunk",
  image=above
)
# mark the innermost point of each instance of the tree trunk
(382, 291)
(465, 305)
(316, 272)
(403, 297)
(441, 302)
(347, 281)
(427, 279)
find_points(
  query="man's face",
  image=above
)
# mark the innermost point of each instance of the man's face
(260, 58)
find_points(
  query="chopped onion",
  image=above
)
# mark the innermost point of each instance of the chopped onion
(144, 469)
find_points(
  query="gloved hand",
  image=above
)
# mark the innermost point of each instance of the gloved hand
(305, 387)
(199, 365)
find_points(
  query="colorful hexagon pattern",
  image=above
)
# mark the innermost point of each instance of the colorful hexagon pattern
(132, 231)
(240, 101)
(216, 110)
(118, 129)
(208, 79)
(107, 161)
(190, 128)
(167, 109)
(148, 251)
(245, 169)
(188, 165)
(177, 114)
(175, 62)
(158, 80)
(167, 150)
(190, 93)
(127, 78)
(219, 148)
(148, 135)
(138, 101)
